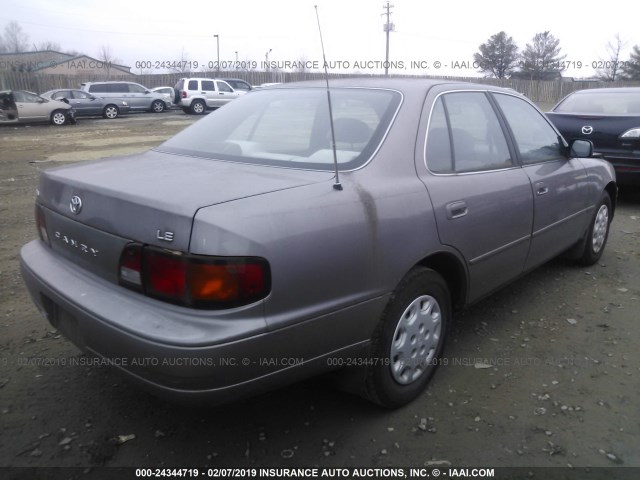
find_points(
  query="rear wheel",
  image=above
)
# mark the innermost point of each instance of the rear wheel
(198, 107)
(110, 111)
(58, 117)
(598, 232)
(157, 106)
(409, 339)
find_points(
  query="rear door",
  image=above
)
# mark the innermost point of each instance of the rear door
(208, 89)
(559, 183)
(481, 197)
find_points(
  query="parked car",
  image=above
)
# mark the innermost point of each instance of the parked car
(246, 253)
(168, 93)
(238, 85)
(610, 119)
(85, 104)
(199, 94)
(19, 106)
(137, 96)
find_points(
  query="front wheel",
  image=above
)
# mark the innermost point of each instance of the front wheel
(157, 106)
(59, 117)
(110, 111)
(598, 232)
(409, 339)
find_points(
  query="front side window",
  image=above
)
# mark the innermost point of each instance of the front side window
(536, 140)
(223, 87)
(61, 94)
(290, 128)
(80, 95)
(476, 140)
(135, 88)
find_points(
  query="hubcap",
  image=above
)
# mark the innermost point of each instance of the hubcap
(600, 228)
(112, 112)
(58, 118)
(158, 107)
(416, 339)
(198, 108)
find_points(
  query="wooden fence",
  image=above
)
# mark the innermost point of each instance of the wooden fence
(547, 92)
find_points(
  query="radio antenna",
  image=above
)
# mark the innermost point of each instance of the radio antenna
(337, 185)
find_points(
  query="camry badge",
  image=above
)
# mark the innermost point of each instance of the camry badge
(75, 205)
(587, 129)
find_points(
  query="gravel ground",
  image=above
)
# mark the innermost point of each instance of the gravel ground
(544, 373)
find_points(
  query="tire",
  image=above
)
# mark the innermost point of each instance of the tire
(110, 111)
(198, 107)
(598, 232)
(157, 106)
(413, 327)
(58, 117)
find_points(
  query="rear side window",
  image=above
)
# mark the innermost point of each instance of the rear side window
(119, 88)
(193, 85)
(536, 140)
(100, 88)
(477, 142)
(208, 86)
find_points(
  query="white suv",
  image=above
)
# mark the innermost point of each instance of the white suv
(198, 94)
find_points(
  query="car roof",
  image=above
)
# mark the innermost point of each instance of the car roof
(402, 84)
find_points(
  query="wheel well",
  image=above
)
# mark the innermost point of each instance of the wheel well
(612, 191)
(454, 274)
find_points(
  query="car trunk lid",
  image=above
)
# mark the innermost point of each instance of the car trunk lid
(603, 130)
(152, 198)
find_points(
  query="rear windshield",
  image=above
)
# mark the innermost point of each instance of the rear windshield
(290, 127)
(608, 103)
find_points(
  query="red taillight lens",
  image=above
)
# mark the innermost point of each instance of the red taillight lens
(41, 225)
(184, 94)
(194, 280)
(165, 274)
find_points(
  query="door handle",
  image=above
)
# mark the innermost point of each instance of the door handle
(456, 209)
(541, 189)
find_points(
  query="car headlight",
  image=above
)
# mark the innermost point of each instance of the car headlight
(633, 133)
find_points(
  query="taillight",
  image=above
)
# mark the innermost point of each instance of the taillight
(194, 280)
(184, 94)
(41, 225)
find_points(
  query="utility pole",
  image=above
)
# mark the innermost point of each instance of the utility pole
(387, 27)
(217, 37)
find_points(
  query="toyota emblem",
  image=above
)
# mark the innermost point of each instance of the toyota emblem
(75, 205)
(587, 130)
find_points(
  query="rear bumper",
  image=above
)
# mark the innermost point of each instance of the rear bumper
(175, 352)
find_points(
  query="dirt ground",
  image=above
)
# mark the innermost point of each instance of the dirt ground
(545, 373)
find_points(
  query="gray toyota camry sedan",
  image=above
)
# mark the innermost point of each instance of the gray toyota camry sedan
(273, 240)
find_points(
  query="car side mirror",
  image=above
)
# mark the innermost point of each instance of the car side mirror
(41, 100)
(581, 148)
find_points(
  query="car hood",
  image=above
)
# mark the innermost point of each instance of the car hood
(145, 197)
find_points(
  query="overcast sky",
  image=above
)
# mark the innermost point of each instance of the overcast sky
(426, 31)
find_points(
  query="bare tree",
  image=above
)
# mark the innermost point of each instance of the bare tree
(183, 65)
(631, 68)
(48, 45)
(15, 39)
(610, 72)
(107, 58)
